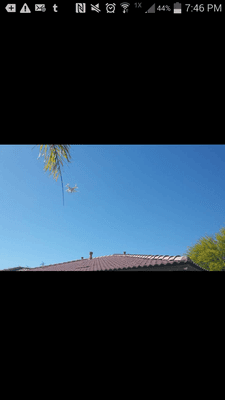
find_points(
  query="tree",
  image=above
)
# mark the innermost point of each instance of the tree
(209, 252)
(54, 157)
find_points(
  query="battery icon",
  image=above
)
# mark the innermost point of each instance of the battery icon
(177, 8)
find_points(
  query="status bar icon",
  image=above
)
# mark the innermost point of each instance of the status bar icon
(95, 8)
(80, 8)
(177, 8)
(125, 7)
(11, 8)
(25, 9)
(151, 10)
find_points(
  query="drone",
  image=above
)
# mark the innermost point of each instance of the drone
(71, 190)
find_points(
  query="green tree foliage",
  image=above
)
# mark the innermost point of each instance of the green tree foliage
(209, 252)
(54, 157)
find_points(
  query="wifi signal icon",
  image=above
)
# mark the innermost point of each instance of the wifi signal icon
(125, 6)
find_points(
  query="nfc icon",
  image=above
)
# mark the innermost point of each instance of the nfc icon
(80, 8)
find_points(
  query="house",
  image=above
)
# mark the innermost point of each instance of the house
(16, 269)
(125, 262)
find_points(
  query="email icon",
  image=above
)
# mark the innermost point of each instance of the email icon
(40, 7)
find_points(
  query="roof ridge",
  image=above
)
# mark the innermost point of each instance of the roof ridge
(153, 256)
(193, 263)
(85, 261)
(65, 262)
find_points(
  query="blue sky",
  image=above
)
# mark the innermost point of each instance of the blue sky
(142, 199)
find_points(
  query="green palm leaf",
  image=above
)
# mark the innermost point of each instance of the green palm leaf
(54, 157)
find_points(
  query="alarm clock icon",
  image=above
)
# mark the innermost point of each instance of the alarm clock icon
(110, 8)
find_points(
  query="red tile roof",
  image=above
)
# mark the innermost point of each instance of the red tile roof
(124, 262)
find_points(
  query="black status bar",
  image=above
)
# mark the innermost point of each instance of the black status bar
(114, 7)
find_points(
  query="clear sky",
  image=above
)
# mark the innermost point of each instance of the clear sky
(142, 199)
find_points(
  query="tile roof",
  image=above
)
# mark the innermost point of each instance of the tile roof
(116, 262)
(16, 269)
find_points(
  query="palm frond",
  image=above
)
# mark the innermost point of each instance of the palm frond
(54, 157)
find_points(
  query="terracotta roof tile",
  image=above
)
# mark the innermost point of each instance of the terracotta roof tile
(122, 262)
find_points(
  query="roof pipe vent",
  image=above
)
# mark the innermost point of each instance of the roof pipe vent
(91, 254)
(124, 252)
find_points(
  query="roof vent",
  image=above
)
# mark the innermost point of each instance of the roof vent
(124, 252)
(82, 258)
(91, 254)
